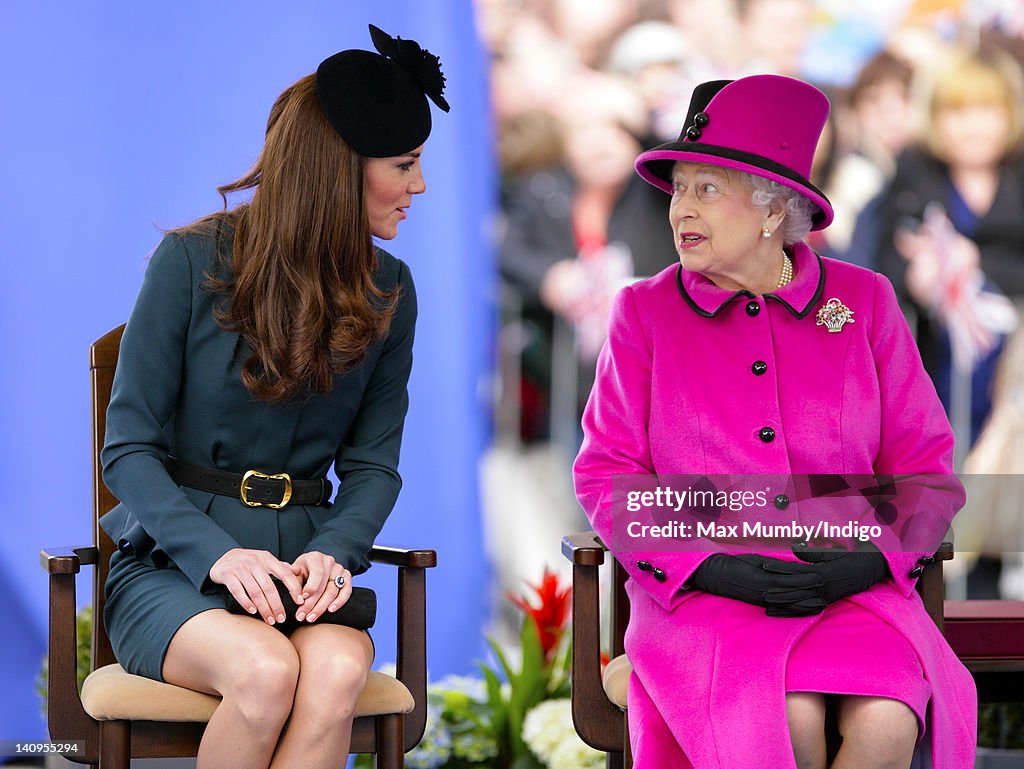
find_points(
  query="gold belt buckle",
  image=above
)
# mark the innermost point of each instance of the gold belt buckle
(243, 492)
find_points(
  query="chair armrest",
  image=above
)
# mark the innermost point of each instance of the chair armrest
(67, 559)
(411, 646)
(65, 715)
(397, 556)
(931, 586)
(598, 722)
(583, 549)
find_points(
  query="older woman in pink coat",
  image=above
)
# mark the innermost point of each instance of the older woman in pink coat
(755, 355)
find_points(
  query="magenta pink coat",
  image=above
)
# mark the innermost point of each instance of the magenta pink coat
(676, 394)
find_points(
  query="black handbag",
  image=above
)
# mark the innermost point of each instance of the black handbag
(359, 611)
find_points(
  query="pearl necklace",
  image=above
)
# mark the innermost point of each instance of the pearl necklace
(787, 271)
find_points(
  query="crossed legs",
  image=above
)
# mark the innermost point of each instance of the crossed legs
(878, 733)
(286, 702)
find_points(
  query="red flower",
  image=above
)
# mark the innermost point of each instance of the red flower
(551, 616)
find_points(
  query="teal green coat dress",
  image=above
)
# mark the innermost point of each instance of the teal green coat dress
(178, 390)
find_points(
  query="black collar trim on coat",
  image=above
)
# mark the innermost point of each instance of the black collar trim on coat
(696, 307)
(797, 311)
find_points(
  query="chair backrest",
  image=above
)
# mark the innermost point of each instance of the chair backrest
(102, 362)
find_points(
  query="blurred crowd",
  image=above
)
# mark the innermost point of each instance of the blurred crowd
(921, 160)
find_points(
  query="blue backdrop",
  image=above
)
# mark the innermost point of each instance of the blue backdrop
(120, 118)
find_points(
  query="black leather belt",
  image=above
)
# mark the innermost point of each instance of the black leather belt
(254, 488)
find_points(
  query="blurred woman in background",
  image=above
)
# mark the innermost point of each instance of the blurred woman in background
(952, 234)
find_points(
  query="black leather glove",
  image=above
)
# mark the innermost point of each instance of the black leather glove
(846, 571)
(784, 588)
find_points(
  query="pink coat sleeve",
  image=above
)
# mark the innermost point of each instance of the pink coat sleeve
(916, 440)
(615, 442)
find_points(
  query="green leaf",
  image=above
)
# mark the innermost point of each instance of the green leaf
(560, 685)
(502, 660)
(528, 689)
(533, 654)
(496, 702)
(527, 761)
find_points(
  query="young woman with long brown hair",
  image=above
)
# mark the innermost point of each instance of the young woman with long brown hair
(268, 343)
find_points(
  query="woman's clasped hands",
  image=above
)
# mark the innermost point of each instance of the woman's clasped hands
(788, 588)
(310, 582)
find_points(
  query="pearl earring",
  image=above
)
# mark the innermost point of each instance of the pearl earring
(766, 233)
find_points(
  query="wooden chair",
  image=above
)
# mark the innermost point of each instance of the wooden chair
(599, 697)
(121, 716)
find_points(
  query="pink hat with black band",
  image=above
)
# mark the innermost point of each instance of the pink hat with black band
(766, 125)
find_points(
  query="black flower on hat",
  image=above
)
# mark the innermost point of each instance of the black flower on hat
(378, 101)
(421, 63)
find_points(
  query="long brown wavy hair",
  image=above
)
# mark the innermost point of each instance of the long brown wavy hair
(299, 284)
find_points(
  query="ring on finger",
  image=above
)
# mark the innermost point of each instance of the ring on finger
(339, 581)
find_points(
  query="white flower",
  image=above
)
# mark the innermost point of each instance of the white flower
(549, 733)
(547, 726)
(574, 753)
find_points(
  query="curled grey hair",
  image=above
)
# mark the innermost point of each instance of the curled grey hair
(799, 210)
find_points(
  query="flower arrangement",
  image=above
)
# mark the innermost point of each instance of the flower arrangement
(517, 716)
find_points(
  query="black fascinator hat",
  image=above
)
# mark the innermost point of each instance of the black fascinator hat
(377, 102)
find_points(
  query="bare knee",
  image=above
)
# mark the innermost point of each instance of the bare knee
(877, 732)
(805, 712)
(262, 682)
(341, 678)
(334, 664)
